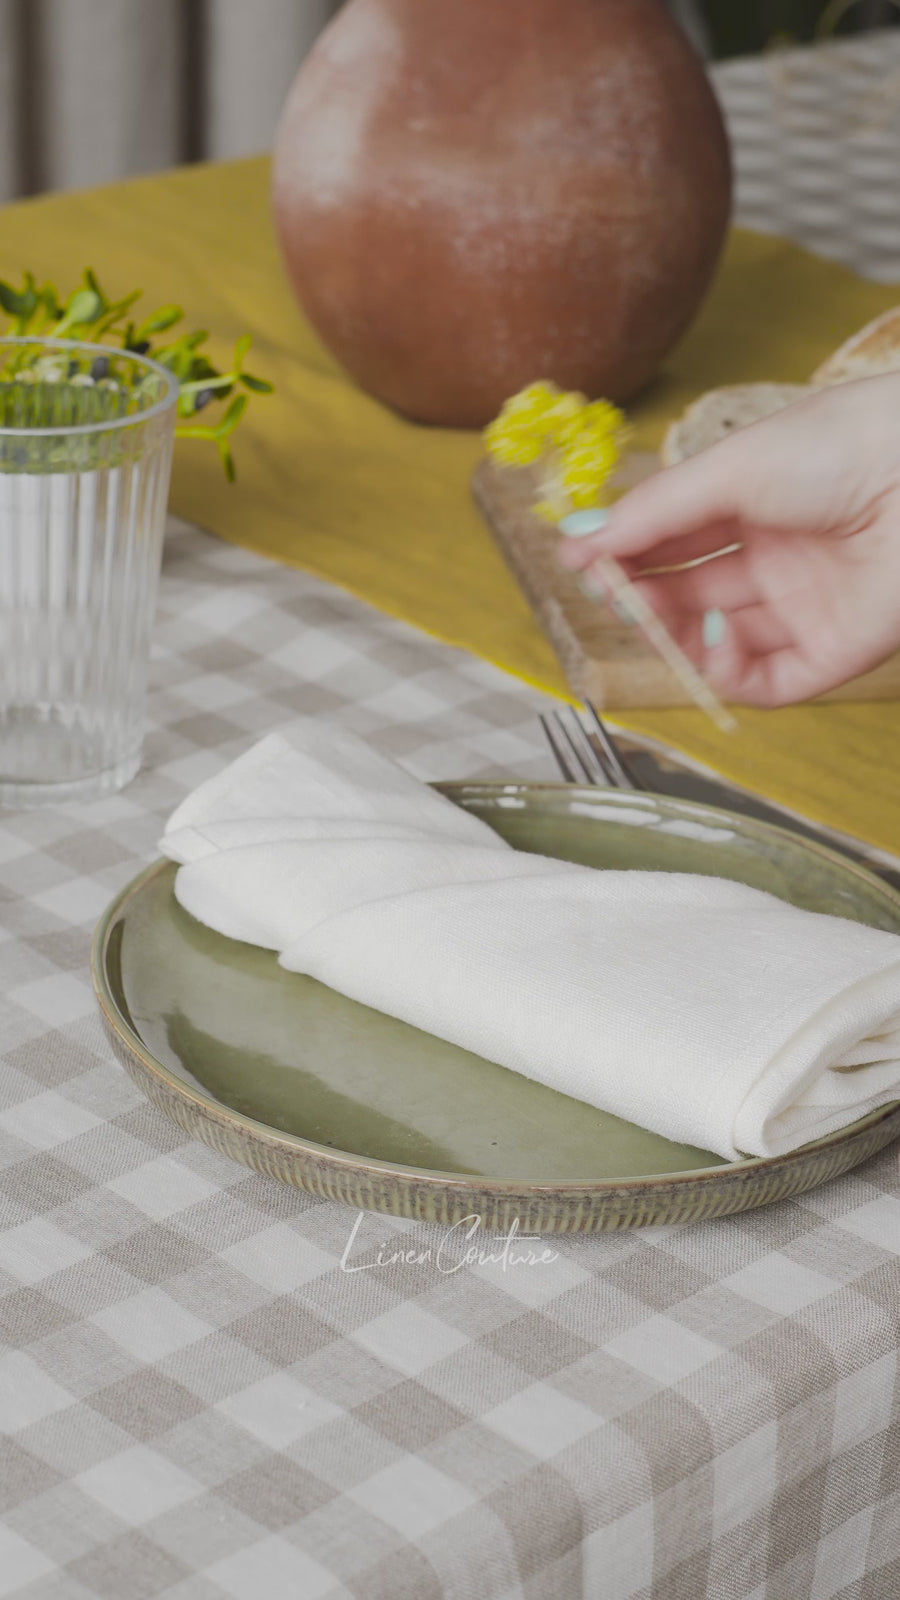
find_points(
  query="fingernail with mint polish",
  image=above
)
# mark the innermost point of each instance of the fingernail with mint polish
(713, 628)
(580, 525)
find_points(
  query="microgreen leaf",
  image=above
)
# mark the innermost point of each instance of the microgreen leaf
(226, 459)
(84, 306)
(89, 313)
(19, 302)
(164, 318)
(232, 417)
(258, 385)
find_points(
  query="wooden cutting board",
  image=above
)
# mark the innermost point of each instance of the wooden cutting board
(604, 660)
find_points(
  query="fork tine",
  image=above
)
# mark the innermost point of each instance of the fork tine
(622, 776)
(559, 755)
(594, 753)
(586, 756)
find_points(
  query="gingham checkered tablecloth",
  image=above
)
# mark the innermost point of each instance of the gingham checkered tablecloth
(214, 1387)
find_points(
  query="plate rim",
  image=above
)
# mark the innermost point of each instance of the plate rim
(562, 1188)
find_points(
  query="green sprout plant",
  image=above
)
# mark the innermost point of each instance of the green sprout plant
(36, 311)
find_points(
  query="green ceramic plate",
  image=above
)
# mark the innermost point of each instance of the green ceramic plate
(280, 1072)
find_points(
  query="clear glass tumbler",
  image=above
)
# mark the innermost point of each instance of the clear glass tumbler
(85, 454)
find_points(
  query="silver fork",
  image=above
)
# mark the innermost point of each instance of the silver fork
(589, 749)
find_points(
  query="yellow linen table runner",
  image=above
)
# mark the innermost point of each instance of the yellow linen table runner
(331, 481)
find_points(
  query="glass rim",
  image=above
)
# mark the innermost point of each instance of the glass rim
(164, 403)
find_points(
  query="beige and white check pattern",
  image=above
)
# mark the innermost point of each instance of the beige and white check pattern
(815, 136)
(213, 1388)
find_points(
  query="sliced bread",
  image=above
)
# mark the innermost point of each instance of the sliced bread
(875, 349)
(721, 412)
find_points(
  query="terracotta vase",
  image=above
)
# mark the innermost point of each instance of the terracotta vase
(472, 194)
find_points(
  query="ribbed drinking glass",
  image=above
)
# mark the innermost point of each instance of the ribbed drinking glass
(85, 455)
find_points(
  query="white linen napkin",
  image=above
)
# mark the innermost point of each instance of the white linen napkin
(713, 1013)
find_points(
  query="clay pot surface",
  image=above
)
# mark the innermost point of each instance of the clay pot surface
(472, 194)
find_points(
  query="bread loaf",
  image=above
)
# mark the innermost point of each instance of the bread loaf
(721, 412)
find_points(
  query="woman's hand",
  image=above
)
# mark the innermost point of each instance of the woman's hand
(812, 498)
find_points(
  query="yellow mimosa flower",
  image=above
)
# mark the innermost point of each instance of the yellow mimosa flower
(579, 441)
